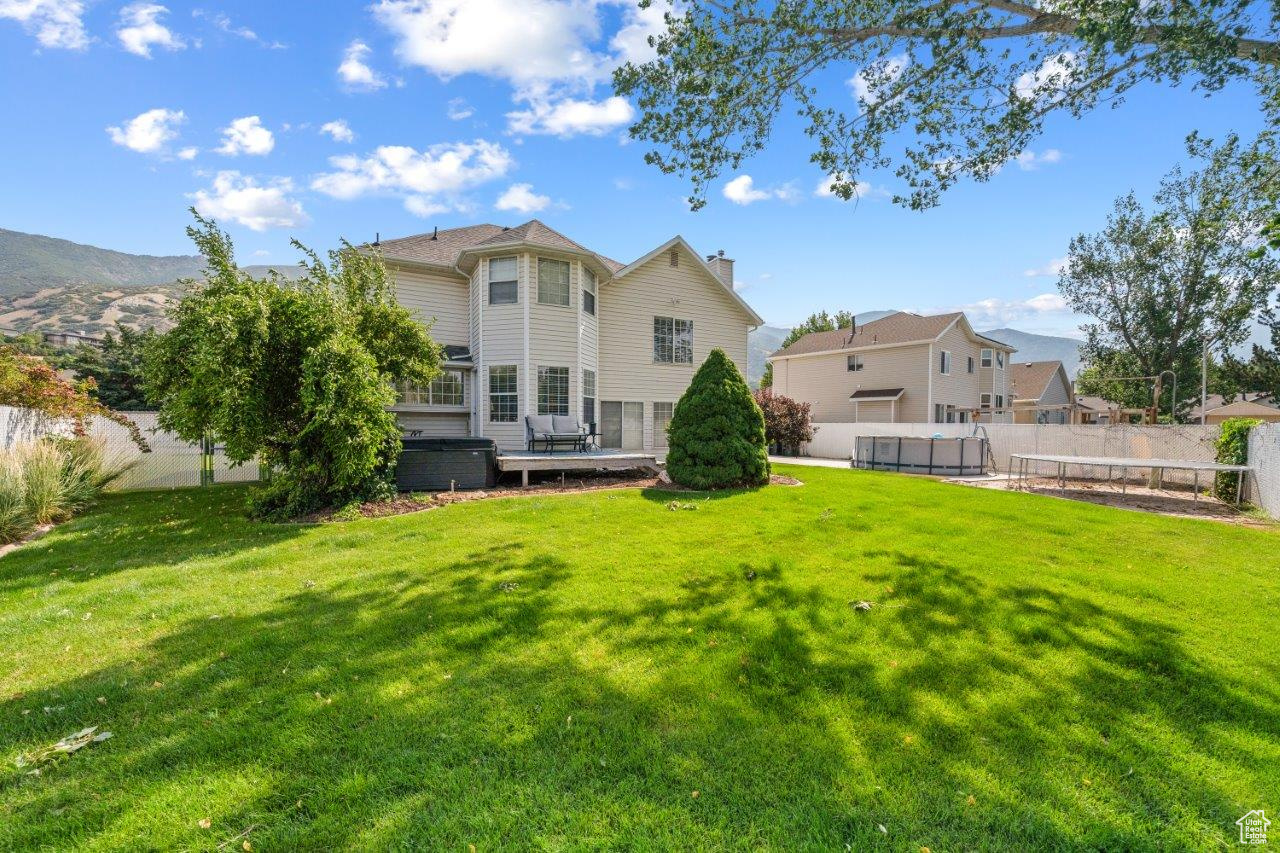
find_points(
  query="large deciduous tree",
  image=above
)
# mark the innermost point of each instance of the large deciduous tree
(1160, 283)
(971, 81)
(819, 322)
(299, 373)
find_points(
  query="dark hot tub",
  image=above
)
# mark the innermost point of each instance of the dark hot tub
(439, 464)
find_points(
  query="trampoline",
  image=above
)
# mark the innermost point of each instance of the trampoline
(1023, 462)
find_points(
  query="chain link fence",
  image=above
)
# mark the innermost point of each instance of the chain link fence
(171, 464)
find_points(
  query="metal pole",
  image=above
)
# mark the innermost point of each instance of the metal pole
(1204, 378)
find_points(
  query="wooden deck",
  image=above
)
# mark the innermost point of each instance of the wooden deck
(592, 460)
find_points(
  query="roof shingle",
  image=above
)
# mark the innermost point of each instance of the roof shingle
(442, 248)
(900, 328)
(1030, 378)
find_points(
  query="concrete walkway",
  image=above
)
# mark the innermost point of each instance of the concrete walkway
(812, 461)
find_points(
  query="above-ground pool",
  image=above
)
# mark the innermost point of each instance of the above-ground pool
(952, 457)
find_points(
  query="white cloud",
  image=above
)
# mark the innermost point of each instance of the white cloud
(742, 190)
(149, 132)
(54, 23)
(522, 41)
(1049, 80)
(246, 135)
(570, 117)
(548, 50)
(869, 84)
(861, 190)
(224, 23)
(522, 199)
(1046, 313)
(355, 72)
(430, 180)
(240, 198)
(188, 153)
(140, 29)
(459, 109)
(1029, 161)
(1053, 269)
(339, 130)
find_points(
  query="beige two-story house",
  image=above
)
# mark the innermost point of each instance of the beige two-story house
(533, 322)
(1042, 393)
(903, 368)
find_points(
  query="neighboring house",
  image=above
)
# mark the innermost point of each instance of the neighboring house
(1214, 402)
(903, 368)
(1042, 393)
(1241, 409)
(535, 323)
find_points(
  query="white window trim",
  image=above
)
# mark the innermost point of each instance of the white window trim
(986, 357)
(858, 363)
(984, 400)
(944, 362)
(537, 283)
(489, 280)
(489, 393)
(692, 342)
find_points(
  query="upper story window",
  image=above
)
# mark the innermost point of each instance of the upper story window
(944, 362)
(588, 291)
(672, 341)
(854, 363)
(504, 397)
(986, 400)
(999, 359)
(553, 282)
(447, 389)
(504, 288)
(986, 358)
(970, 364)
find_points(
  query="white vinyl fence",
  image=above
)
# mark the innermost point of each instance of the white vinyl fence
(1264, 456)
(171, 464)
(1185, 441)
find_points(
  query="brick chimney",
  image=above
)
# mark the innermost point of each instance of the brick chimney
(722, 267)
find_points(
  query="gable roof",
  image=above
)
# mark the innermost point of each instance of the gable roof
(678, 241)
(896, 329)
(1244, 409)
(1030, 379)
(440, 248)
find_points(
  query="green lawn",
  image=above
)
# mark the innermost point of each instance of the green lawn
(600, 670)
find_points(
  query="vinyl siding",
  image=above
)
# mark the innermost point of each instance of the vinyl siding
(960, 388)
(825, 382)
(502, 342)
(438, 297)
(626, 310)
(553, 335)
(435, 425)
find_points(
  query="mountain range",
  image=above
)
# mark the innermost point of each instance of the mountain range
(52, 284)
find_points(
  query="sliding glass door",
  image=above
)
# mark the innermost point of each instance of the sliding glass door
(621, 425)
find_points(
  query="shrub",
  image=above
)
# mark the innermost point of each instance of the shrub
(1233, 449)
(298, 374)
(787, 422)
(716, 437)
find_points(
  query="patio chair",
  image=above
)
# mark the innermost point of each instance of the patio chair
(552, 431)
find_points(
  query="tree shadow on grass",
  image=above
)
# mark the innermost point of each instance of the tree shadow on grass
(127, 531)
(437, 705)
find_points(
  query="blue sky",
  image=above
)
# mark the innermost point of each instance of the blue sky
(281, 121)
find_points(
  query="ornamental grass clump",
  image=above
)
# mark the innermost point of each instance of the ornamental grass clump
(716, 437)
(50, 480)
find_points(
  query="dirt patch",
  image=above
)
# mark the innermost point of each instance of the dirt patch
(1173, 502)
